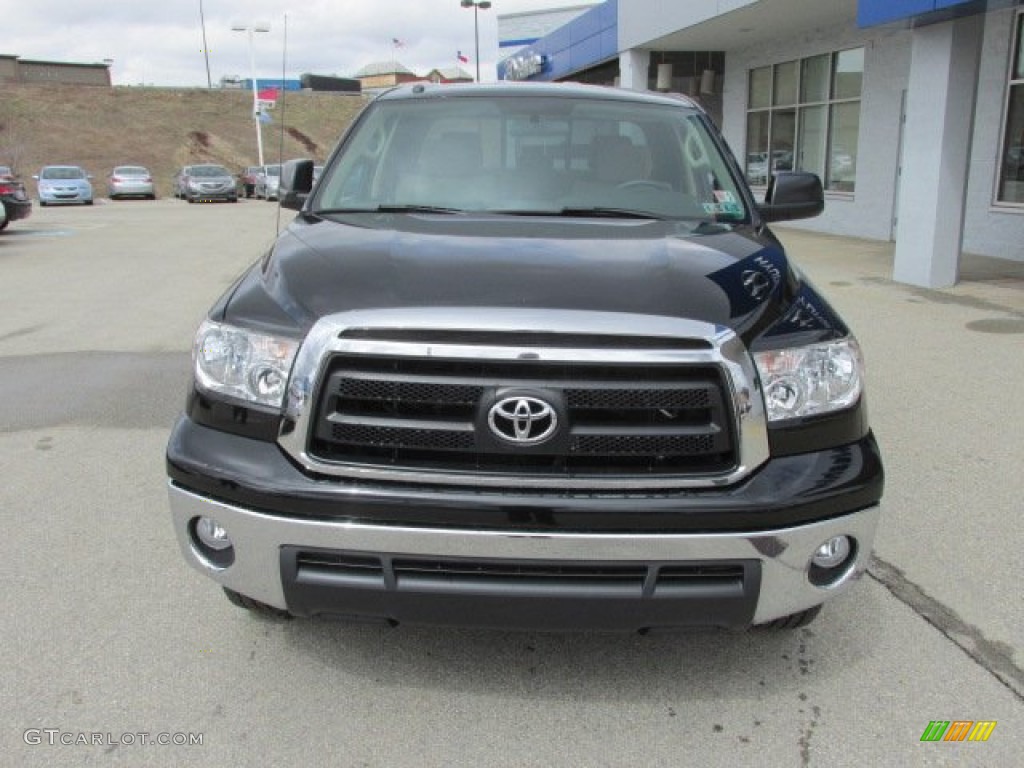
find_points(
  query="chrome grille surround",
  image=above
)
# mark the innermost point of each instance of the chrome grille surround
(714, 346)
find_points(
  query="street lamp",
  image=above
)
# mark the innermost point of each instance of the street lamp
(477, 6)
(252, 29)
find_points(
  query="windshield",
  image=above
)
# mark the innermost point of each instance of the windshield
(63, 173)
(130, 170)
(273, 170)
(533, 155)
(207, 171)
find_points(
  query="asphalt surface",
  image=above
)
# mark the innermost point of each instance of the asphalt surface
(108, 635)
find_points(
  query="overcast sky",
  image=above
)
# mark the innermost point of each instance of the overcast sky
(160, 42)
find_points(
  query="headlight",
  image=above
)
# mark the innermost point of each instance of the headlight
(809, 381)
(242, 364)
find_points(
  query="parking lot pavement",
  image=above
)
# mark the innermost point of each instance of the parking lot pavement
(108, 635)
(943, 368)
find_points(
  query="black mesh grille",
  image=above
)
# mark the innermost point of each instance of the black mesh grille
(408, 391)
(626, 445)
(373, 437)
(639, 398)
(614, 419)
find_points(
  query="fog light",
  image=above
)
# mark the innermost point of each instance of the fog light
(830, 563)
(832, 553)
(212, 535)
(211, 542)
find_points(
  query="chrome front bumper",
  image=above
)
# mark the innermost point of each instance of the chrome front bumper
(784, 555)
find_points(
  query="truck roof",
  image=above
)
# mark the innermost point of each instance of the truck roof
(560, 90)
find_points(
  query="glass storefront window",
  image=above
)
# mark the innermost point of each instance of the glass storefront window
(760, 87)
(813, 133)
(805, 115)
(785, 83)
(1011, 181)
(783, 139)
(849, 73)
(842, 147)
(756, 165)
(1010, 188)
(1019, 70)
(814, 78)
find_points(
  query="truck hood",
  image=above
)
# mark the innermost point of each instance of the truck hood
(720, 274)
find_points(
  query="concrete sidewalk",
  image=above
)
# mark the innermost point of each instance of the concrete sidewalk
(944, 374)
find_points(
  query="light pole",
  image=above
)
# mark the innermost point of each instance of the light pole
(252, 29)
(477, 6)
(206, 50)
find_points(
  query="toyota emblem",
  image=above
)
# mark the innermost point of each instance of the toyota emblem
(522, 420)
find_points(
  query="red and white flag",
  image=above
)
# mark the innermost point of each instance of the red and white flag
(462, 58)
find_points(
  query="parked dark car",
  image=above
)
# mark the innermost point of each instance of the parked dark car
(13, 197)
(529, 356)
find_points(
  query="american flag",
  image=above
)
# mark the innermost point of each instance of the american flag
(462, 59)
(397, 43)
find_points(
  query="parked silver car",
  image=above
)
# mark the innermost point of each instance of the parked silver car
(130, 181)
(267, 182)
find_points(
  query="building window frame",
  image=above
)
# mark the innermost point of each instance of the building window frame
(805, 105)
(1010, 157)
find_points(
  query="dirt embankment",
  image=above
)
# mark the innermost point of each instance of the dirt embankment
(161, 128)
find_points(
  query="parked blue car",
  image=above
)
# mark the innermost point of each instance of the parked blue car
(64, 184)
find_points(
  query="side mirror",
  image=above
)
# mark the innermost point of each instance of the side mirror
(792, 195)
(296, 183)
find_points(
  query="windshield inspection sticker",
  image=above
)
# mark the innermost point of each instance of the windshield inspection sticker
(730, 208)
(725, 204)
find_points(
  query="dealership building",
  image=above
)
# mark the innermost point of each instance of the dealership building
(911, 111)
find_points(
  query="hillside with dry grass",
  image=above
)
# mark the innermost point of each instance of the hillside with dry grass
(161, 128)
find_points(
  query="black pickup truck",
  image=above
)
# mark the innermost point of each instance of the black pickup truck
(529, 356)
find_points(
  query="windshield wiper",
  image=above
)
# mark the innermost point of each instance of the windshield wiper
(390, 209)
(594, 212)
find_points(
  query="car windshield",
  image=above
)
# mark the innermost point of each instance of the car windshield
(273, 170)
(62, 173)
(130, 170)
(533, 155)
(207, 171)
